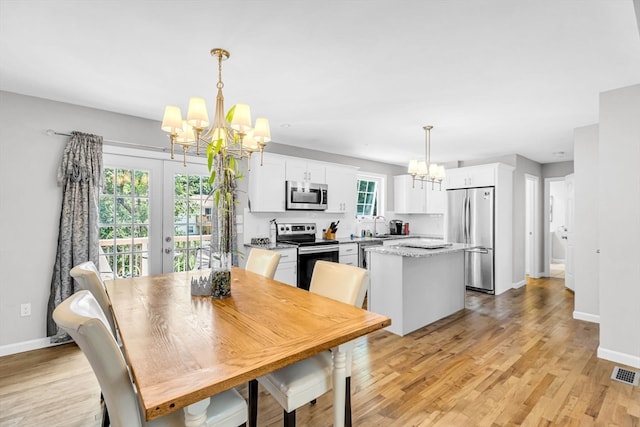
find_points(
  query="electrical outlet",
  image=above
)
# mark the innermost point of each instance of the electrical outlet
(25, 309)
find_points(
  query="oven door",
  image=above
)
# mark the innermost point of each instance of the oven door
(307, 257)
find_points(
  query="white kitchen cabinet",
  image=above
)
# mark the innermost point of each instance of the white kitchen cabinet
(342, 194)
(287, 271)
(471, 176)
(436, 198)
(408, 198)
(348, 253)
(418, 198)
(267, 184)
(305, 170)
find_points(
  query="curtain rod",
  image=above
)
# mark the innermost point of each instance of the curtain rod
(52, 132)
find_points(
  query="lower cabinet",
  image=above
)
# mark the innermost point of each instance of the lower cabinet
(287, 271)
(348, 253)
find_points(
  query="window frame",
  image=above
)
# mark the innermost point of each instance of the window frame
(381, 187)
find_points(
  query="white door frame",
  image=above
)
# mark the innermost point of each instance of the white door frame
(546, 220)
(532, 207)
(158, 162)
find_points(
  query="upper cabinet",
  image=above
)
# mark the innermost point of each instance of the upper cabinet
(341, 183)
(266, 184)
(472, 176)
(418, 198)
(305, 170)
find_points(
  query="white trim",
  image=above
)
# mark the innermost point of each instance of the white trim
(545, 220)
(21, 347)
(519, 284)
(587, 317)
(382, 179)
(533, 252)
(149, 154)
(615, 356)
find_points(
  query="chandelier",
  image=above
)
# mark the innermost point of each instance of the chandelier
(424, 170)
(233, 132)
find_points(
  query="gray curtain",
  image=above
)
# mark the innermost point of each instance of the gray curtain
(80, 175)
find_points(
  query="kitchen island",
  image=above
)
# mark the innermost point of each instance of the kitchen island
(416, 286)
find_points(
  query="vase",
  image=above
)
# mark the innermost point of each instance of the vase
(220, 277)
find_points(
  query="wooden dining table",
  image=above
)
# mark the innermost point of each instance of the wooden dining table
(181, 349)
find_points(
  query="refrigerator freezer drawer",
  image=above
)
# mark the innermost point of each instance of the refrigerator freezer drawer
(478, 271)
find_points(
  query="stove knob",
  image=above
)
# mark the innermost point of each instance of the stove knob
(308, 228)
(287, 228)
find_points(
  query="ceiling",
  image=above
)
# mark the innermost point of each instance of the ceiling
(353, 77)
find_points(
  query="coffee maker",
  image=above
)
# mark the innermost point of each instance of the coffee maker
(395, 227)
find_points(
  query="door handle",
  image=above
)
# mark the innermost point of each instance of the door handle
(167, 251)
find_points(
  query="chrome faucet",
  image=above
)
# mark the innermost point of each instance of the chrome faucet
(375, 219)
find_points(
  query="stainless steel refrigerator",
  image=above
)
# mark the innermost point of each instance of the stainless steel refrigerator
(470, 219)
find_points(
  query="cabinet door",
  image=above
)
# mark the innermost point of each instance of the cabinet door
(266, 184)
(296, 170)
(342, 192)
(287, 271)
(482, 177)
(316, 173)
(348, 253)
(301, 170)
(409, 198)
(436, 199)
(456, 178)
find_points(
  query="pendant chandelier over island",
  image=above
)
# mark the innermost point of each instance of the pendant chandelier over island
(424, 170)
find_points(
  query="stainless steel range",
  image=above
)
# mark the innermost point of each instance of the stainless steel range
(310, 250)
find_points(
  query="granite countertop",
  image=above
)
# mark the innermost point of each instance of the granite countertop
(387, 237)
(407, 251)
(270, 246)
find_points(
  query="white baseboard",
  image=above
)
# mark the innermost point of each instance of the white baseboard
(519, 284)
(615, 356)
(21, 347)
(587, 317)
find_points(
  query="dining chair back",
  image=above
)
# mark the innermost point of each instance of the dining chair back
(308, 379)
(88, 278)
(263, 262)
(82, 318)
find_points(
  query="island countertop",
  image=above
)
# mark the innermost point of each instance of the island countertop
(416, 252)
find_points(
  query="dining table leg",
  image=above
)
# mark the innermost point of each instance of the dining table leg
(339, 387)
(195, 415)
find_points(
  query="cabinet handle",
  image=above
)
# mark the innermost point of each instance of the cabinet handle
(284, 256)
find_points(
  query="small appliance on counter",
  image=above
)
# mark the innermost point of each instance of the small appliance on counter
(396, 227)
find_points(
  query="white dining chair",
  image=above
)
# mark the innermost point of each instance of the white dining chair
(263, 262)
(308, 379)
(82, 318)
(88, 278)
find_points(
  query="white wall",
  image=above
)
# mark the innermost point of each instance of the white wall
(619, 205)
(587, 290)
(30, 201)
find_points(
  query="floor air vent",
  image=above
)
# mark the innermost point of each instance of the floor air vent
(625, 376)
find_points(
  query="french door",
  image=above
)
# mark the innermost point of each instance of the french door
(155, 215)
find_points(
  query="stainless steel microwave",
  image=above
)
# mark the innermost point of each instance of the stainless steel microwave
(306, 196)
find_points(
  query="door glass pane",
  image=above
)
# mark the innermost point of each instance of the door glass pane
(124, 223)
(192, 208)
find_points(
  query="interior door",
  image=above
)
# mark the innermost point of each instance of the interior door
(569, 275)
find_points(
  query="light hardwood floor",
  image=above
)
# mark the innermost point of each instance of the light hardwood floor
(515, 359)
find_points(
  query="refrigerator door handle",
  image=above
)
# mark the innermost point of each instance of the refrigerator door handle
(478, 251)
(467, 219)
